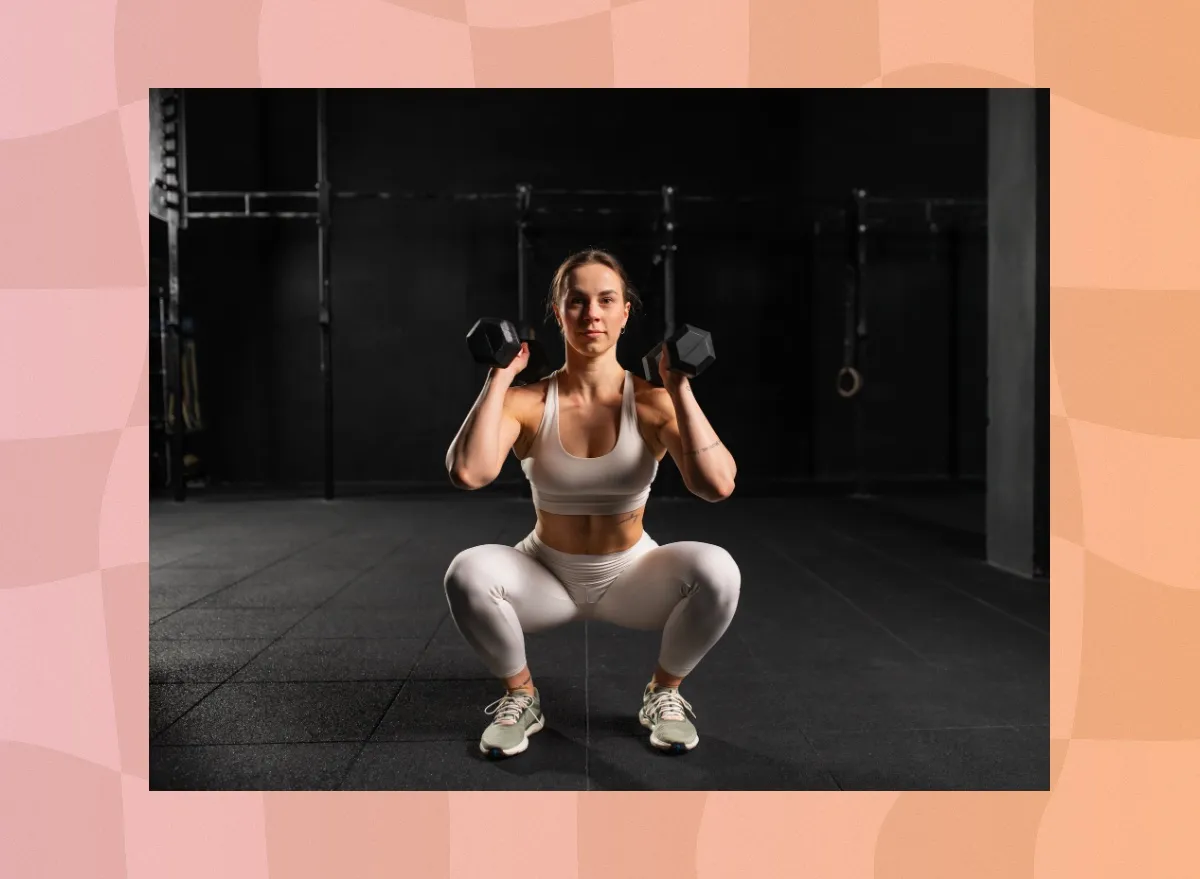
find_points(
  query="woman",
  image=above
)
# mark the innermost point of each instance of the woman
(589, 438)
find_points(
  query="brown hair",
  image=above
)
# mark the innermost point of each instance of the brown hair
(558, 286)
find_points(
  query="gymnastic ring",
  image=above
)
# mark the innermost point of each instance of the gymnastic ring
(856, 381)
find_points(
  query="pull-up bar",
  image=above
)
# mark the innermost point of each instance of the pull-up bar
(821, 213)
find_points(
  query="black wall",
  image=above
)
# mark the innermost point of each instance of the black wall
(410, 277)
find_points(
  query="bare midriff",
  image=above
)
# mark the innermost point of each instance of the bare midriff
(590, 535)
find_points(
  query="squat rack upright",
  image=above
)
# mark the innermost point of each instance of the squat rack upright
(171, 200)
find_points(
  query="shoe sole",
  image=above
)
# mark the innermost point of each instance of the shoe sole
(517, 748)
(673, 747)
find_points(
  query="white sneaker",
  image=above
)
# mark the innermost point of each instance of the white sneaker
(518, 716)
(663, 714)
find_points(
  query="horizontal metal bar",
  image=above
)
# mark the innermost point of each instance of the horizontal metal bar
(601, 193)
(576, 209)
(221, 193)
(284, 215)
(410, 195)
(893, 223)
(921, 200)
(536, 193)
(428, 196)
(726, 199)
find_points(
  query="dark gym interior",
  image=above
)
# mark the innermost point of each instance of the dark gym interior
(873, 266)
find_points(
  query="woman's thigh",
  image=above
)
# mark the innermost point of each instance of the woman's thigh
(646, 592)
(504, 573)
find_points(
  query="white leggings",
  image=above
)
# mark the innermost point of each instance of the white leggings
(497, 593)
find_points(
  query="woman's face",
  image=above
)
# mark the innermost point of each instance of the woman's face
(593, 311)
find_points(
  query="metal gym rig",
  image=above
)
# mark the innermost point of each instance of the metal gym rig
(171, 201)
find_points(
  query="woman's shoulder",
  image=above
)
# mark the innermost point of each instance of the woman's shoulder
(650, 391)
(522, 401)
(526, 404)
(651, 400)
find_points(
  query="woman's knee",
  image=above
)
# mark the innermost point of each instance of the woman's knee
(472, 574)
(717, 573)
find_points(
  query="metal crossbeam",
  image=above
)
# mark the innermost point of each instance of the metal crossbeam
(282, 215)
(239, 193)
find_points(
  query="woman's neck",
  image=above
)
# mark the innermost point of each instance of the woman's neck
(589, 378)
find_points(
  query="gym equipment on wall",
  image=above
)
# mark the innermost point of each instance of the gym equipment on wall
(864, 218)
(170, 197)
(168, 193)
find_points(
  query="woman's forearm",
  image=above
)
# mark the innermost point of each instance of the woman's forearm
(472, 455)
(708, 467)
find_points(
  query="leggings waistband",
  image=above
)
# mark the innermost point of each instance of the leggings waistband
(585, 576)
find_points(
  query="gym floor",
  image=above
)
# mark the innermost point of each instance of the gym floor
(305, 644)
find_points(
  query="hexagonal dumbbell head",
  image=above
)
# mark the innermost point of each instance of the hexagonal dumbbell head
(493, 342)
(689, 349)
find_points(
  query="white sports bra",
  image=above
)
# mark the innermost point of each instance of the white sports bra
(614, 483)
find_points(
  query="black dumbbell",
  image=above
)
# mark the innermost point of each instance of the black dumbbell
(495, 342)
(689, 349)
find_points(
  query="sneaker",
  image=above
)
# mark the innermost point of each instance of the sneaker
(663, 714)
(518, 716)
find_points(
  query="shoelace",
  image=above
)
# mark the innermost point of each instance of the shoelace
(509, 708)
(667, 704)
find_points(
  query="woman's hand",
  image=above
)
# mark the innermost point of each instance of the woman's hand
(510, 372)
(671, 380)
